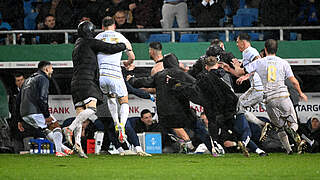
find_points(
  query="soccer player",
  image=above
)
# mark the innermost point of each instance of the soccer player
(273, 72)
(85, 89)
(155, 53)
(254, 95)
(111, 79)
(173, 109)
(34, 109)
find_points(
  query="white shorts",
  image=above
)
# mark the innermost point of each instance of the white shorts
(84, 102)
(280, 111)
(116, 86)
(250, 98)
(35, 120)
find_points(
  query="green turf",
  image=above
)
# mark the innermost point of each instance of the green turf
(167, 166)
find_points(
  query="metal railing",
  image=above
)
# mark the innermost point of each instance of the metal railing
(169, 30)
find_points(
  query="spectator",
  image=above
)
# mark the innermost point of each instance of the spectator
(12, 12)
(208, 14)
(121, 23)
(277, 13)
(4, 26)
(310, 132)
(45, 9)
(309, 15)
(172, 9)
(51, 38)
(109, 8)
(91, 10)
(65, 11)
(144, 16)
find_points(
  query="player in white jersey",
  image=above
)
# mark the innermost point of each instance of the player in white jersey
(254, 95)
(111, 79)
(273, 72)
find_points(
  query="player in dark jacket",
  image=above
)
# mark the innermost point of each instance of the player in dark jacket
(85, 87)
(172, 108)
(219, 102)
(34, 109)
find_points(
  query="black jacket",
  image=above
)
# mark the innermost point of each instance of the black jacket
(85, 79)
(211, 92)
(199, 67)
(34, 95)
(217, 98)
(208, 16)
(173, 109)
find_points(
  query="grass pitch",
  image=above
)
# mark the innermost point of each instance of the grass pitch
(165, 166)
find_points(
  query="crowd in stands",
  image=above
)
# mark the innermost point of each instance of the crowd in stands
(66, 14)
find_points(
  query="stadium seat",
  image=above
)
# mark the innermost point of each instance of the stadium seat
(222, 36)
(159, 38)
(254, 36)
(30, 21)
(245, 17)
(254, 12)
(293, 36)
(242, 3)
(191, 19)
(237, 21)
(189, 37)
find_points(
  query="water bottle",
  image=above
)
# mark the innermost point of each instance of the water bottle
(7, 41)
(23, 41)
(31, 150)
(36, 149)
(33, 40)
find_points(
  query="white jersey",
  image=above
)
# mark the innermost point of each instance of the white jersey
(273, 72)
(109, 64)
(248, 56)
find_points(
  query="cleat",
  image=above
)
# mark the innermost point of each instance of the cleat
(142, 153)
(185, 147)
(68, 151)
(80, 151)
(214, 154)
(122, 135)
(290, 153)
(302, 147)
(218, 148)
(122, 153)
(61, 154)
(68, 135)
(266, 128)
(263, 154)
(243, 149)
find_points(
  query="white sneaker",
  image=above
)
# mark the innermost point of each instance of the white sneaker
(142, 153)
(80, 151)
(68, 135)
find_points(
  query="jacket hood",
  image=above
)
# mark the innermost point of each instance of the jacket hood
(170, 61)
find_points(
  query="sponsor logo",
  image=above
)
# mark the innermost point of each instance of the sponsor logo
(59, 110)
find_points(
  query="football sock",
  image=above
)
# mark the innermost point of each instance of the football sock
(81, 117)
